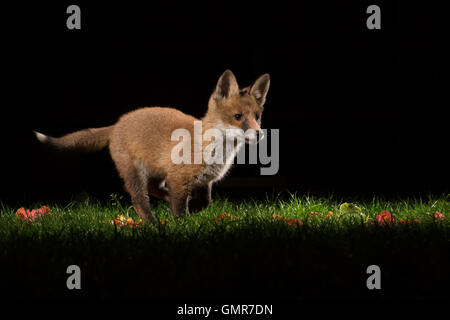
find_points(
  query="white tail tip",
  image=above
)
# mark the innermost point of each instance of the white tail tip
(41, 137)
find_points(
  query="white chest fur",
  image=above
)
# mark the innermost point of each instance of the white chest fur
(225, 152)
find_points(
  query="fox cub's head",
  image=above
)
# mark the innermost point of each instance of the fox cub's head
(232, 108)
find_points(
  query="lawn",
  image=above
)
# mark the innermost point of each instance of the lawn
(297, 246)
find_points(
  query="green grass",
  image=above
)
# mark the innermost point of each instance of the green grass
(250, 255)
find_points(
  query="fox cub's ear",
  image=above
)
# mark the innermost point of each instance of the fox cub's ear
(259, 89)
(227, 86)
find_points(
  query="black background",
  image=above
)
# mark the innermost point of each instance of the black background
(360, 111)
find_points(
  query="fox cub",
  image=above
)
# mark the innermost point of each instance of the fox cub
(141, 146)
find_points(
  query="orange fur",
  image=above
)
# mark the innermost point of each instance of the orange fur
(140, 145)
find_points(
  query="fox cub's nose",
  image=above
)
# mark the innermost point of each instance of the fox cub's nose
(253, 136)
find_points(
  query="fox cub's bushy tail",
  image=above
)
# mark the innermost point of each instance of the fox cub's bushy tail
(86, 140)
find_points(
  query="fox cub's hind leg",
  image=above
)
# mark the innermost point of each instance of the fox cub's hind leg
(136, 184)
(201, 198)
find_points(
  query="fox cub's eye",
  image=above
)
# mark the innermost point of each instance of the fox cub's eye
(238, 116)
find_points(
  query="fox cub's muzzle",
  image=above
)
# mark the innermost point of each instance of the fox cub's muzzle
(253, 136)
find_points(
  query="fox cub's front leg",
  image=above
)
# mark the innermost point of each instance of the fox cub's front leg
(184, 199)
(201, 198)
